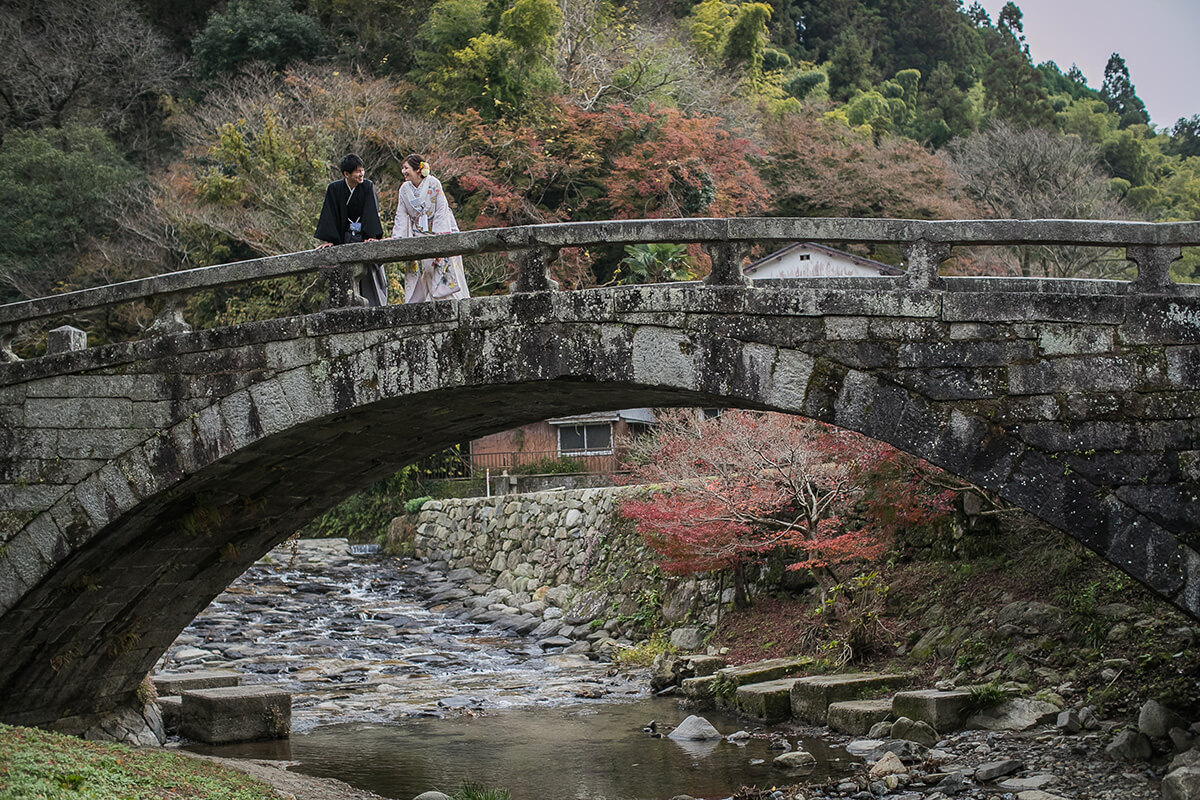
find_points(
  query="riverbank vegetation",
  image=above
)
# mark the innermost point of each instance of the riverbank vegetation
(39, 764)
(140, 137)
(858, 556)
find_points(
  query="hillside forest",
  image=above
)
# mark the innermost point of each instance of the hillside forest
(139, 137)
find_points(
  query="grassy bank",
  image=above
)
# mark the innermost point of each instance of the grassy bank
(37, 765)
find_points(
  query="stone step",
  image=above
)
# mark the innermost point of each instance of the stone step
(811, 696)
(856, 717)
(705, 665)
(944, 710)
(171, 708)
(700, 689)
(769, 701)
(762, 671)
(236, 714)
(169, 683)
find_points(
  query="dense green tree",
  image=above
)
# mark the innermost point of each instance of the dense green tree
(1072, 84)
(178, 20)
(492, 56)
(849, 68)
(1185, 137)
(944, 110)
(1126, 155)
(247, 31)
(375, 35)
(746, 41)
(1014, 86)
(68, 184)
(1120, 95)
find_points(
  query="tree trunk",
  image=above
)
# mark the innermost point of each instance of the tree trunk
(741, 598)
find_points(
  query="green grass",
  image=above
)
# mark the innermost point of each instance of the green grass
(37, 765)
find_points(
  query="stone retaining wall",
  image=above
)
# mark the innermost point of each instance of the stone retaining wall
(562, 550)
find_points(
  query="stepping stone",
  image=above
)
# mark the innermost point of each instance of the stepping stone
(705, 665)
(761, 671)
(236, 714)
(768, 702)
(169, 683)
(811, 696)
(945, 711)
(856, 717)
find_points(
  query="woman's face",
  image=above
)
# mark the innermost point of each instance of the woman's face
(411, 173)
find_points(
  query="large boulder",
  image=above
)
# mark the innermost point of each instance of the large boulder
(695, 729)
(1156, 720)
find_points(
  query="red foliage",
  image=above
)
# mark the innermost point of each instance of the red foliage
(611, 163)
(747, 484)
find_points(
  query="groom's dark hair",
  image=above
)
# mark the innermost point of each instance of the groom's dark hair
(351, 163)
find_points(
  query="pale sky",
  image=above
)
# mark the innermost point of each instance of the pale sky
(1157, 38)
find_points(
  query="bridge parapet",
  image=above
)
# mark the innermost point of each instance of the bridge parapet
(1150, 246)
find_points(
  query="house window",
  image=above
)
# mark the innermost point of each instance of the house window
(805, 256)
(595, 439)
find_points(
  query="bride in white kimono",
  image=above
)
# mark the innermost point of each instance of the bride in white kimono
(423, 210)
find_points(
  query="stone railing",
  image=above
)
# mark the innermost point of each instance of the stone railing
(1151, 246)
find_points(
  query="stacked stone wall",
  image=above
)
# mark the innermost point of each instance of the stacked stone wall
(564, 557)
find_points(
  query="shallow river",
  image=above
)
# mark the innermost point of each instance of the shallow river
(398, 699)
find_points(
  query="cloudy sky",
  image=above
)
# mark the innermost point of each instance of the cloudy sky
(1157, 38)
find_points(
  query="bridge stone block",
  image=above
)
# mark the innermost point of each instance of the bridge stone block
(662, 356)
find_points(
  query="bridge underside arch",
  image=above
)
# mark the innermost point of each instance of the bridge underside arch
(266, 426)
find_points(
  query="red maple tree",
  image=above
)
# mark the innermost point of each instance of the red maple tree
(744, 485)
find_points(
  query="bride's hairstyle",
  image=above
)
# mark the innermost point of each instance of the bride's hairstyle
(414, 161)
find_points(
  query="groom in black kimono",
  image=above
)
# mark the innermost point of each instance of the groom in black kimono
(351, 214)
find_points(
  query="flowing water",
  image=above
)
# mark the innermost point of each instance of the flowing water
(399, 699)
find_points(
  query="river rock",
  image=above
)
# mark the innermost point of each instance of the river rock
(890, 764)
(687, 638)
(1129, 745)
(1182, 784)
(1017, 714)
(914, 731)
(1190, 758)
(992, 770)
(1068, 721)
(696, 729)
(798, 759)
(1156, 720)
(1023, 784)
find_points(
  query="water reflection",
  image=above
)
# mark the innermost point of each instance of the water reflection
(590, 751)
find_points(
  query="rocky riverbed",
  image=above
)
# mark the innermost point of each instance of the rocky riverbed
(381, 640)
(355, 640)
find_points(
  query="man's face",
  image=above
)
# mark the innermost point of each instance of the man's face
(355, 178)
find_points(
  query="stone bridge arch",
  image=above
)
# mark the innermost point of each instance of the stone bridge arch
(140, 479)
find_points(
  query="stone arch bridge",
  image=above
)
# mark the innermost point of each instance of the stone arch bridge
(138, 479)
